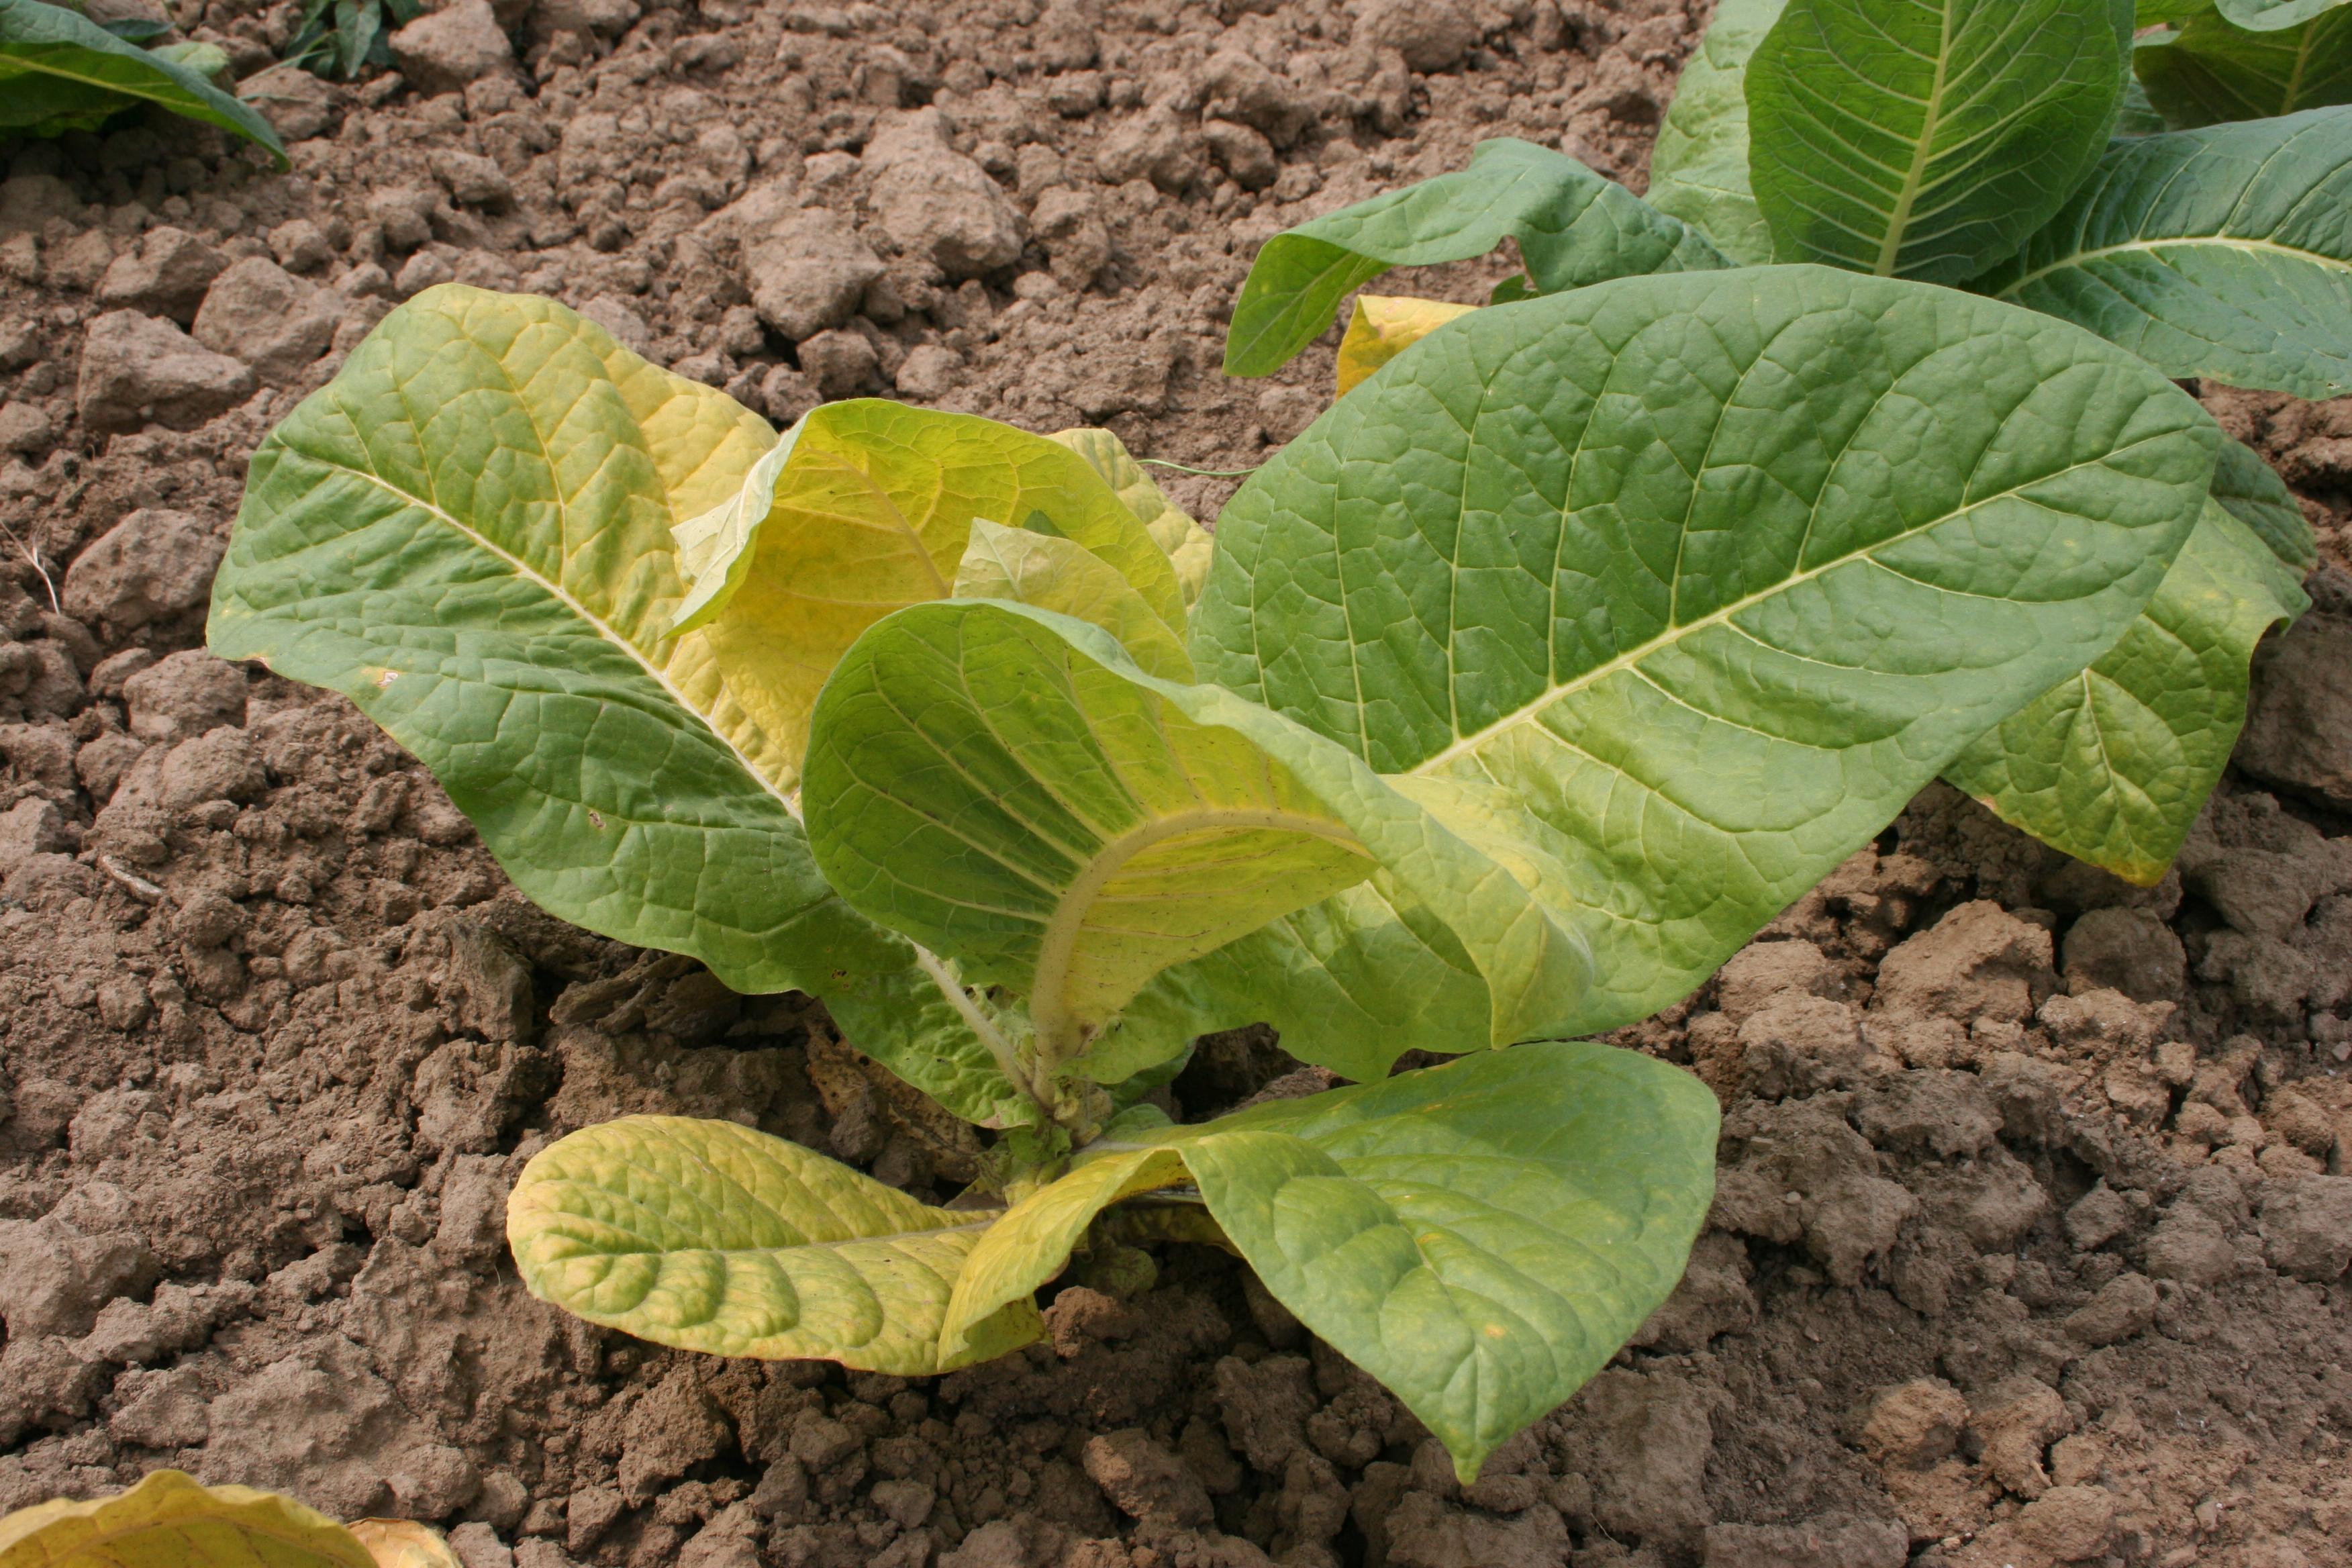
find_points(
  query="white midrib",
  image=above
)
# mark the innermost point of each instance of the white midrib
(1429, 766)
(1049, 1010)
(1900, 218)
(2185, 242)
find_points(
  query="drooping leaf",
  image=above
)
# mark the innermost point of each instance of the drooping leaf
(404, 1543)
(863, 506)
(61, 71)
(2137, 116)
(2250, 491)
(1007, 787)
(467, 533)
(706, 1236)
(2225, 252)
(1928, 138)
(1573, 227)
(2113, 765)
(1698, 171)
(167, 1520)
(2209, 71)
(2272, 15)
(1063, 576)
(1184, 542)
(1671, 591)
(1383, 327)
(1480, 1237)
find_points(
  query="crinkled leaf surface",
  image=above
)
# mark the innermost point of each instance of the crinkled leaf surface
(866, 506)
(2250, 491)
(1670, 592)
(1698, 171)
(2209, 71)
(1382, 327)
(1573, 227)
(1928, 138)
(167, 1520)
(1185, 542)
(1480, 1237)
(2113, 765)
(2225, 252)
(705, 1236)
(1060, 575)
(61, 71)
(469, 533)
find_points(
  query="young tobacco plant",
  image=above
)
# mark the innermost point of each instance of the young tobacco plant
(60, 71)
(2003, 147)
(1516, 693)
(168, 1521)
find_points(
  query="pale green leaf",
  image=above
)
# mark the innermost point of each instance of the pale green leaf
(167, 1520)
(2225, 252)
(866, 506)
(1573, 227)
(61, 71)
(1181, 539)
(2113, 765)
(2252, 492)
(1059, 574)
(1698, 171)
(469, 533)
(1007, 787)
(706, 1236)
(2209, 72)
(1479, 1236)
(1671, 592)
(1928, 138)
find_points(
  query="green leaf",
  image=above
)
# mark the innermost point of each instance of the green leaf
(2222, 253)
(1006, 786)
(865, 506)
(1479, 1236)
(1057, 574)
(467, 533)
(1923, 139)
(167, 1520)
(2113, 765)
(708, 1237)
(2250, 491)
(1699, 170)
(1573, 227)
(1671, 592)
(2272, 15)
(60, 70)
(1184, 542)
(2157, 12)
(2210, 72)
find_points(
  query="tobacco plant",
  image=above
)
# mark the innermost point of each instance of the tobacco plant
(61, 71)
(1514, 696)
(167, 1520)
(2001, 147)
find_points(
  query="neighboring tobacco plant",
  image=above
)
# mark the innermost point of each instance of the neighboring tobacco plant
(167, 1520)
(1519, 691)
(1973, 144)
(60, 71)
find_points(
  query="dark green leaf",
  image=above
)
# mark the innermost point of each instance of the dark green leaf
(2210, 72)
(60, 70)
(2225, 252)
(1573, 227)
(2250, 491)
(1928, 141)
(1699, 170)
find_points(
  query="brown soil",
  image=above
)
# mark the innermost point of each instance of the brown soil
(2034, 1219)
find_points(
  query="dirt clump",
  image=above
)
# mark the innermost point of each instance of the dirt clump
(2032, 1239)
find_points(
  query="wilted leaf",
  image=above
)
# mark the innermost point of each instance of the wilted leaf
(167, 1520)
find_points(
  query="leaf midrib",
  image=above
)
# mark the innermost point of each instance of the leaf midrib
(2215, 241)
(1891, 245)
(1467, 745)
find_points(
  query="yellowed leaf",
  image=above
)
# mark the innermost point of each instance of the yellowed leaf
(404, 1543)
(167, 1520)
(1383, 327)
